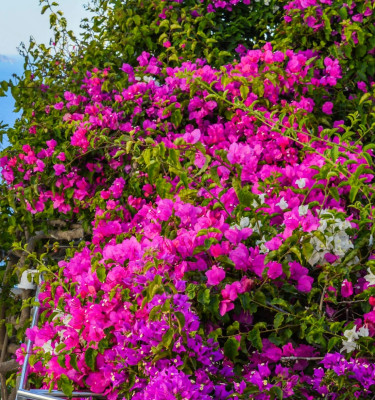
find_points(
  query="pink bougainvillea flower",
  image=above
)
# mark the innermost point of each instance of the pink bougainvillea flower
(59, 169)
(231, 291)
(240, 257)
(275, 269)
(331, 258)
(215, 275)
(59, 106)
(273, 244)
(61, 157)
(193, 136)
(51, 143)
(97, 382)
(225, 306)
(39, 166)
(346, 288)
(327, 107)
(362, 86)
(304, 283)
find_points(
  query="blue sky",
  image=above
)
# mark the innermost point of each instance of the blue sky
(20, 19)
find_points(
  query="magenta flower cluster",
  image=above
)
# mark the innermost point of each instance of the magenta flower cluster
(211, 190)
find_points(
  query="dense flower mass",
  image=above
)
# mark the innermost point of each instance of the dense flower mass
(229, 249)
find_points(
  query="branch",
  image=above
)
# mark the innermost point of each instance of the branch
(25, 312)
(6, 278)
(13, 393)
(294, 358)
(9, 366)
(4, 392)
(57, 222)
(4, 350)
(31, 243)
(76, 233)
(12, 348)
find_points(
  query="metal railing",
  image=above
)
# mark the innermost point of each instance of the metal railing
(42, 394)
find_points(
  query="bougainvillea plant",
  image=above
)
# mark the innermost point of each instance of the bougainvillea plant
(202, 217)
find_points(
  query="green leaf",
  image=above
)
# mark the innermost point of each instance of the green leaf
(163, 187)
(204, 296)
(147, 156)
(333, 342)
(73, 361)
(244, 90)
(297, 252)
(365, 97)
(153, 170)
(361, 50)
(369, 146)
(184, 179)
(44, 9)
(278, 320)
(176, 117)
(52, 19)
(307, 250)
(343, 13)
(254, 337)
(60, 347)
(155, 310)
(245, 197)
(191, 290)
(101, 273)
(334, 193)
(259, 297)
(246, 302)
(327, 24)
(276, 393)
(353, 193)
(90, 358)
(174, 157)
(173, 57)
(66, 385)
(231, 348)
(334, 153)
(180, 319)
(4, 85)
(137, 20)
(320, 236)
(202, 232)
(9, 328)
(61, 360)
(167, 338)
(361, 37)
(215, 176)
(119, 153)
(234, 328)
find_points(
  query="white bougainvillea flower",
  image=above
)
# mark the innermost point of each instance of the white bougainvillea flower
(282, 204)
(244, 222)
(370, 277)
(302, 210)
(301, 183)
(363, 331)
(351, 334)
(47, 347)
(348, 346)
